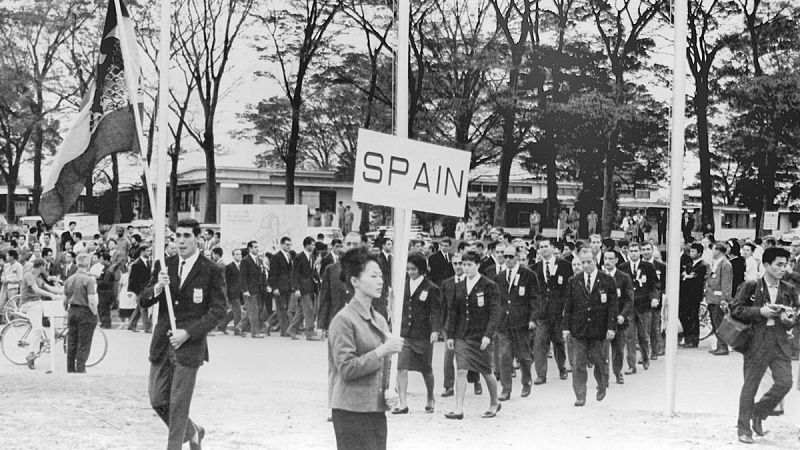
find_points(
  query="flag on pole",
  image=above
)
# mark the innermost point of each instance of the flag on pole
(104, 125)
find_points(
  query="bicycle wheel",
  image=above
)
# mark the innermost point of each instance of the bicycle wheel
(706, 327)
(11, 308)
(99, 347)
(14, 341)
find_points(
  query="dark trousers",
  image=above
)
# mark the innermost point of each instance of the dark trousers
(548, 331)
(282, 307)
(689, 315)
(755, 365)
(250, 322)
(81, 322)
(142, 313)
(234, 314)
(588, 351)
(616, 348)
(717, 314)
(359, 431)
(450, 370)
(514, 343)
(104, 301)
(638, 332)
(305, 313)
(171, 387)
(656, 340)
(662, 236)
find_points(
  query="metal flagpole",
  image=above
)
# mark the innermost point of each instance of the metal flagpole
(402, 218)
(130, 79)
(676, 200)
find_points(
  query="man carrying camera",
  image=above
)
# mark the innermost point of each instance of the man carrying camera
(768, 306)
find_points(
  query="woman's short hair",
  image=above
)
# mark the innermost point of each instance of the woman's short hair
(354, 261)
(419, 261)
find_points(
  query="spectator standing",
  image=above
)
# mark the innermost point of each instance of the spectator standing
(250, 283)
(141, 270)
(104, 288)
(305, 283)
(719, 288)
(348, 220)
(280, 280)
(233, 279)
(81, 300)
(691, 294)
(591, 222)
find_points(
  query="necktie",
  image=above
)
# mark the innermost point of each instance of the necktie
(547, 272)
(447, 258)
(180, 272)
(508, 279)
(588, 283)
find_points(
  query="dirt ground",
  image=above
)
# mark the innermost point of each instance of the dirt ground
(271, 394)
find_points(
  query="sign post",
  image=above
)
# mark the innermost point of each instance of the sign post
(770, 221)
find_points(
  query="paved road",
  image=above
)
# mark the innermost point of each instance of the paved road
(271, 393)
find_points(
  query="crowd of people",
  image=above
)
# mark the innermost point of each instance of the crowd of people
(500, 304)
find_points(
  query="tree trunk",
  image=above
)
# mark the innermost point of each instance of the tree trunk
(363, 224)
(173, 187)
(38, 144)
(11, 186)
(211, 176)
(115, 188)
(704, 154)
(507, 158)
(291, 156)
(608, 184)
(89, 186)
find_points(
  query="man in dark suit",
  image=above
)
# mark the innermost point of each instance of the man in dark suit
(385, 258)
(471, 324)
(280, 280)
(656, 338)
(493, 265)
(195, 285)
(645, 298)
(693, 282)
(305, 283)
(332, 257)
(137, 281)
(793, 277)
(233, 280)
(439, 263)
(518, 290)
(68, 267)
(757, 303)
(552, 275)
(250, 285)
(590, 313)
(624, 291)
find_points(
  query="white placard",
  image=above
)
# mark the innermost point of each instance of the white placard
(409, 174)
(266, 224)
(770, 220)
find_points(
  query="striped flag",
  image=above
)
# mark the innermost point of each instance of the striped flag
(104, 125)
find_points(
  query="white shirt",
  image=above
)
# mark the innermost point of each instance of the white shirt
(97, 270)
(285, 255)
(471, 282)
(613, 272)
(553, 267)
(514, 271)
(413, 285)
(588, 278)
(753, 269)
(187, 267)
(773, 297)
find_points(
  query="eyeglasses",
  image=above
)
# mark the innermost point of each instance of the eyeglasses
(185, 235)
(509, 256)
(457, 263)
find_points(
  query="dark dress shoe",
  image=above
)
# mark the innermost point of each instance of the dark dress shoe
(448, 392)
(492, 414)
(758, 427)
(630, 372)
(719, 352)
(400, 411)
(478, 389)
(746, 439)
(540, 380)
(526, 390)
(313, 338)
(505, 396)
(562, 373)
(654, 358)
(688, 345)
(454, 416)
(601, 395)
(196, 443)
(646, 365)
(580, 402)
(429, 409)
(258, 336)
(620, 379)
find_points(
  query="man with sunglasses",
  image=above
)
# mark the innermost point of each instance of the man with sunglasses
(196, 287)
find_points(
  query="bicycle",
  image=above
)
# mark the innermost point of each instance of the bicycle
(706, 326)
(15, 345)
(11, 308)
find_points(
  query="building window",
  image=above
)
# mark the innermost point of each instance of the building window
(521, 190)
(643, 194)
(739, 220)
(187, 199)
(247, 199)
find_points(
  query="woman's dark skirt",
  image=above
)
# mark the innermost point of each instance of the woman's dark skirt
(416, 356)
(469, 356)
(359, 430)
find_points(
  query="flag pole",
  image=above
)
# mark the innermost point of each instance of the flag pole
(130, 80)
(402, 217)
(676, 201)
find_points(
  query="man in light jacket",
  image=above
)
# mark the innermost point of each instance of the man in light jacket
(718, 291)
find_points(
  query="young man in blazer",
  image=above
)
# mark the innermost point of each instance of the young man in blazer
(137, 281)
(471, 324)
(656, 337)
(758, 303)
(280, 280)
(590, 314)
(233, 281)
(518, 289)
(624, 290)
(719, 291)
(552, 276)
(304, 283)
(693, 280)
(195, 285)
(439, 263)
(250, 285)
(645, 298)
